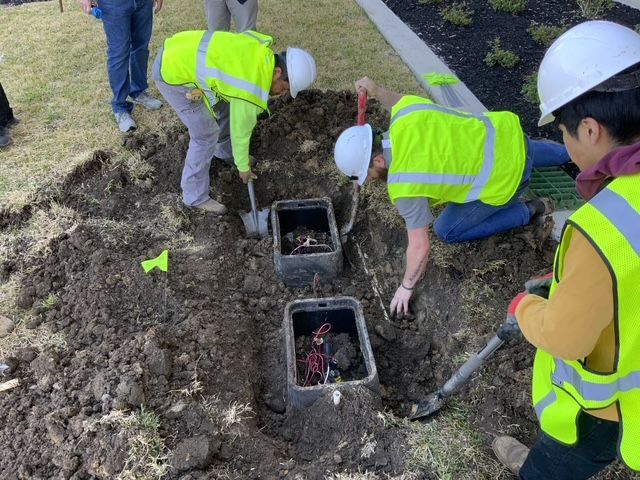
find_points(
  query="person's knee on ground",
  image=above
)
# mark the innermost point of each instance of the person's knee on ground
(447, 235)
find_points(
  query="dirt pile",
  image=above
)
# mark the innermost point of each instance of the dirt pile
(184, 372)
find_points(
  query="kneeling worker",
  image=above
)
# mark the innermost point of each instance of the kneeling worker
(218, 83)
(478, 163)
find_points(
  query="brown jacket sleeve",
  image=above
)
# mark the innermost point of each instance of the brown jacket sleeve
(570, 325)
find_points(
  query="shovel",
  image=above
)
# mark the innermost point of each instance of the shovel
(434, 402)
(355, 193)
(255, 221)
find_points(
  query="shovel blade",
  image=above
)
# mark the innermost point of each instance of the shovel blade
(425, 408)
(256, 225)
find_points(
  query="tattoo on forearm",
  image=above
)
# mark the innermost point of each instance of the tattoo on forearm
(415, 276)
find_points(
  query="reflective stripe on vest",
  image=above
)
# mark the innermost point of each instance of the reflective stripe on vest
(203, 73)
(605, 393)
(478, 181)
(621, 214)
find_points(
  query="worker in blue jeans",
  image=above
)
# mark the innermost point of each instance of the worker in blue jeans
(462, 222)
(127, 25)
(478, 164)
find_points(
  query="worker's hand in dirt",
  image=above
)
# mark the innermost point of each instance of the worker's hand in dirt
(86, 5)
(367, 84)
(157, 5)
(539, 285)
(400, 302)
(248, 175)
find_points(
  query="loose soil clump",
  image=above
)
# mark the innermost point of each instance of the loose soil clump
(182, 374)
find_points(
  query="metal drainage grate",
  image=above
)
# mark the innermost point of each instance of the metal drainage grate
(553, 182)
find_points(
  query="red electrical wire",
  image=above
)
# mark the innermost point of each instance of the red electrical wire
(315, 360)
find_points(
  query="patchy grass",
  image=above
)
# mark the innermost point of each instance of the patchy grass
(446, 446)
(529, 88)
(148, 456)
(544, 34)
(375, 194)
(499, 56)
(458, 14)
(40, 338)
(226, 417)
(594, 8)
(50, 302)
(510, 6)
(55, 76)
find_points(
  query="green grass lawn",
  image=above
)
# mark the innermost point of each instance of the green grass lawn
(52, 67)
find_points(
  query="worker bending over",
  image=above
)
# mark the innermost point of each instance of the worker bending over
(478, 163)
(586, 373)
(218, 83)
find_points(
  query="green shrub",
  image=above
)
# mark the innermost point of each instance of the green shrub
(511, 6)
(544, 34)
(637, 28)
(594, 8)
(530, 89)
(458, 14)
(499, 56)
(429, 2)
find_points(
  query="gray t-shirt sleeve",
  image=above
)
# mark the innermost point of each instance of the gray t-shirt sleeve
(415, 211)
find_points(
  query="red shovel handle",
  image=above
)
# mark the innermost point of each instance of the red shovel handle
(362, 105)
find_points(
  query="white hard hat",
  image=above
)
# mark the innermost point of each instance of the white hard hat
(301, 70)
(582, 58)
(353, 151)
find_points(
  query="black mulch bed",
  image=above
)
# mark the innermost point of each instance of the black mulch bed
(463, 49)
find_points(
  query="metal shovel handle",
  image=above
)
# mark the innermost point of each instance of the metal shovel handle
(252, 199)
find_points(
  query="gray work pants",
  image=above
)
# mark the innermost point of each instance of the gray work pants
(203, 137)
(219, 13)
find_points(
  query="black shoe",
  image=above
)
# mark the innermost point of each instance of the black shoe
(4, 137)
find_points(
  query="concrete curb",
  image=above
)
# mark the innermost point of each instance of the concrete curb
(419, 57)
(630, 3)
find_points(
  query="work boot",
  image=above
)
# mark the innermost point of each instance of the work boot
(147, 101)
(540, 207)
(212, 206)
(510, 452)
(125, 122)
(5, 139)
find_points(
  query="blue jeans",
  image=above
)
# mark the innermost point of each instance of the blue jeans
(597, 447)
(127, 24)
(462, 222)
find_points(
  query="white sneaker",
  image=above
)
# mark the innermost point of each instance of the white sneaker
(212, 206)
(147, 101)
(125, 122)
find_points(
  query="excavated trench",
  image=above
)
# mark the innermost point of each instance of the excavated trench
(208, 335)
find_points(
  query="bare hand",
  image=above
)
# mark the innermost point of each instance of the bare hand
(367, 84)
(246, 176)
(157, 4)
(85, 6)
(400, 301)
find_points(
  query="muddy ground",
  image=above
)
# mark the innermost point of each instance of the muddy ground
(201, 347)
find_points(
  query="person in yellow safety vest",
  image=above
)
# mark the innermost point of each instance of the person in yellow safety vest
(478, 163)
(218, 83)
(586, 373)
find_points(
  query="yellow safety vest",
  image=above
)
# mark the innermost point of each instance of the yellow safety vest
(222, 64)
(452, 156)
(611, 222)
